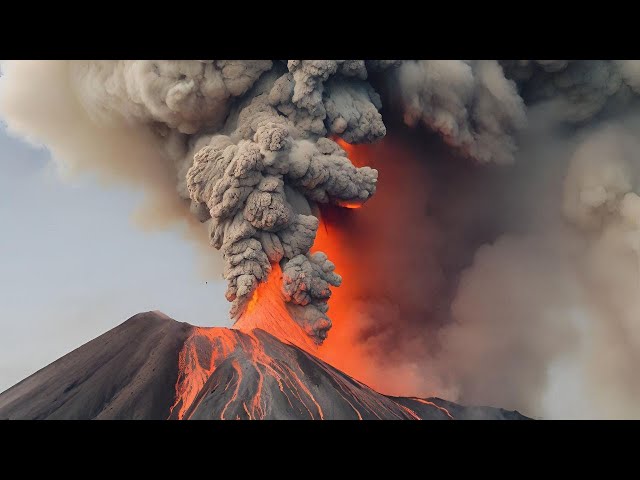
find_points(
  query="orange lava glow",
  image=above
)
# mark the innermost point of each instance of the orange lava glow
(363, 253)
(253, 303)
(356, 153)
(361, 243)
(203, 353)
(340, 348)
(193, 370)
(347, 147)
(427, 402)
(267, 311)
(254, 371)
(351, 205)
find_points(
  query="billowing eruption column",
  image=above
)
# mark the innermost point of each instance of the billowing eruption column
(244, 143)
(501, 249)
(259, 182)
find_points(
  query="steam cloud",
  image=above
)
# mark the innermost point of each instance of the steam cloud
(488, 261)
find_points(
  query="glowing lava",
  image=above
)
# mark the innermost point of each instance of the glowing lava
(198, 358)
(351, 205)
(268, 311)
(432, 404)
(370, 255)
(356, 153)
(228, 374)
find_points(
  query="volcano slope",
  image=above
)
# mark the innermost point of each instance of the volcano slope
(153, 367)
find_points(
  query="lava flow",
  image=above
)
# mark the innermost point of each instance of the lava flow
(207, 348)
(229, 374)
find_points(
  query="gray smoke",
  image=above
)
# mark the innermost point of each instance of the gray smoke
(470, 103)
(478, 294)
(240, 145)
(563, 289)
(560, 285)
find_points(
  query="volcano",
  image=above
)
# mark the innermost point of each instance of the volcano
(153, 367)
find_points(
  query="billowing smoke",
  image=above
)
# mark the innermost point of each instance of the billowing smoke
(470, 103)
(240, 145)
(520, 270)
(503, 241)
(561, 283)
(561, 287)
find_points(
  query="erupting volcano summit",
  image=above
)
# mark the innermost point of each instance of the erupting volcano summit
(482, 233)
(152, 367)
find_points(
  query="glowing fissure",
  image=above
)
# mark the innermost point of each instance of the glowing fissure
(238, 381)
(427, 402)
(194, 370)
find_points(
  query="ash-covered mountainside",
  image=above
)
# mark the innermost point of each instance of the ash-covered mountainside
(152, 367)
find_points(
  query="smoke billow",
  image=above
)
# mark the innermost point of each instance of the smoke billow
(470, 103)
(240, 145)
(503, 240)
(562, 287)
(524, 266)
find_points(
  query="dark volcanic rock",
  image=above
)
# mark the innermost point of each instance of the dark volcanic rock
(152, 367)
(127, 373)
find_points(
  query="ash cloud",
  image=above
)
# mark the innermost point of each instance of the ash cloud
(240, 145)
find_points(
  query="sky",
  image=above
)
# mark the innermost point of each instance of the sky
(74, 265)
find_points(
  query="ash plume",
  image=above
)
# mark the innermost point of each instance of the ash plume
(525, 269)
(240, 145)
(502, 241)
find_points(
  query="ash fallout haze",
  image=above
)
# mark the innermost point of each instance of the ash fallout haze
(387, 234)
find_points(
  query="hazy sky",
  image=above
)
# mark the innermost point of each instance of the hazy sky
(73, 264)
